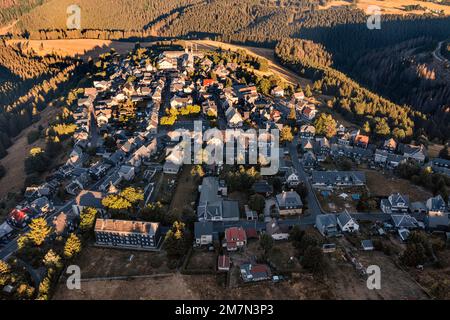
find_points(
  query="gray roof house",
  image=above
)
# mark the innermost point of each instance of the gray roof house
(346, 222)
(327, 224)
(404, 221)
(203, 232)
(86, 198)
(436, 205)
(289, 203)
(395, 203)
(212, 207)
(338, 178)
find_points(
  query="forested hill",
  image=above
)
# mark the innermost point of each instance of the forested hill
(10, 10)
(359, 105)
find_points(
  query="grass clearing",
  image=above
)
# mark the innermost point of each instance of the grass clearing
(383, 185)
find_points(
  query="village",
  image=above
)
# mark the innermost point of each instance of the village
(334, 201)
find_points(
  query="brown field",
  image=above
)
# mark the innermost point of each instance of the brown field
(434, 149)
(202, 260)
(390, 6)
(15, 176)
(395, 283)
(186, 190)
(84, 48)
(384, 185)
(342, 283)
(105, 262)
(191, 287)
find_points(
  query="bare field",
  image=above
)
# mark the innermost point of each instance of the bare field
(390, 6)
(186, 190)
(15, 176)
(382, 185)
(187, 287)
(84, 48)
(105, 262)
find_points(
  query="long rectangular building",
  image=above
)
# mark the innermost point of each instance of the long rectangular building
(127, 234)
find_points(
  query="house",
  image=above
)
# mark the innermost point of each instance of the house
(179, 102)
(393, 160)
(307, 131)
(417, 153)
(309, 160)
(289, 203)
(209, 108)
(85, 199)
(166, 64)
(309, 113)
(212, 207)
(174, 161)
(346, 222)
(234, 118)
(361, 141)
(438, 222)
(390, 145)
(395, 203)
(381, 156)
(277, 92)
(403, 234)
(291, 177)
(367, 245)
(327, 224)
(127, 234)
(203, 232)
(436, 206)
(250, 214)
(255, 272)
(20, 217)
(338, 178)
(6, 231)
(235, 238)
(126, 172)
(223, 263)
(277, 231)
(299, 96)
(404, 221)
(418, 207)
(262, 187)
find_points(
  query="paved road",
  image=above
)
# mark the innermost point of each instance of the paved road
(314, 208)
(12, 247)
(437, 53)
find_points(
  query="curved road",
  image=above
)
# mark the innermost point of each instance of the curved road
(437, 53)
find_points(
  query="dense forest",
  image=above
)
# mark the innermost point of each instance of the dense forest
(372, 57)
(27, 83)
(376, 115)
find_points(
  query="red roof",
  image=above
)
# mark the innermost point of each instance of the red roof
(208, 82)
(307, 111)
(234, 234)
(362, 139)
(19, 215)
(224, 262)
(260, 268)
(251, 233)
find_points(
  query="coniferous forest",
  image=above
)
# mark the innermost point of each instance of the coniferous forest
(342, 55)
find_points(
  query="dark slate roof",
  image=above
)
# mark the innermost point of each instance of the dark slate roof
(203, 228)
(262, 186)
